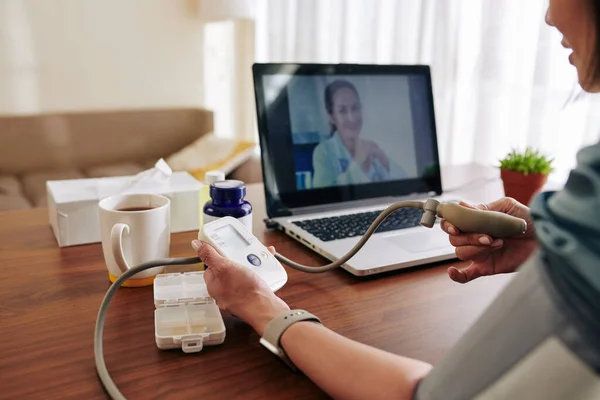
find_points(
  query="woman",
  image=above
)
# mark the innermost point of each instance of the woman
(503, 354)
(345, 158)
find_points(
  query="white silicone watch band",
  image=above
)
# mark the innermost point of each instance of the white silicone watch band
(277, 326)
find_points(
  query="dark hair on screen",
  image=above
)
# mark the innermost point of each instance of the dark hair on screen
(330, 91)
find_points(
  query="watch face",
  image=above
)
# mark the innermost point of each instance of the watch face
(272, 348)
(279, 353)
(277, 326)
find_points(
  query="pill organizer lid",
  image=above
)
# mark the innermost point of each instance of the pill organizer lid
(184, 287)
(189, 326)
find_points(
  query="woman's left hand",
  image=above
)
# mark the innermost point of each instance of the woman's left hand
(382, 157)
(239, 290)
(368, 151)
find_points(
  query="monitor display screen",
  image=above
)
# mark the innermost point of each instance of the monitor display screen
(231, 237)
(333, 133)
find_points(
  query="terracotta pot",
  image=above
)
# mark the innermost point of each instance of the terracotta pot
(522, 187)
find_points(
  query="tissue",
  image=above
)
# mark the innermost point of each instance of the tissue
(73, 203)
(154, 180)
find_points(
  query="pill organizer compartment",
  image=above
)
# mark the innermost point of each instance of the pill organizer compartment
(185, 316)
(179, 287)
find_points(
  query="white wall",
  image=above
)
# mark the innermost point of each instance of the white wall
(99, 54)
(228, 84)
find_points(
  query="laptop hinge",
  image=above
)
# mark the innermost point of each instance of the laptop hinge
(358, 204)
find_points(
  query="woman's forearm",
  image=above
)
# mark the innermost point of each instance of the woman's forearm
(354, 174)
(348, 369)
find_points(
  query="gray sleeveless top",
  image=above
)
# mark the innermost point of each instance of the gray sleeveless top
(540, 338)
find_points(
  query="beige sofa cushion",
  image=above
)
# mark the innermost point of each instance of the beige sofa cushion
(34, 184)
(250, 171)
(120, 169)
(88, 143)
(13, 202)
(81, 140)
(9, 185)
(11, 196)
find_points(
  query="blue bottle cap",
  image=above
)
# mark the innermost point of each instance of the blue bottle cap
(228, 190)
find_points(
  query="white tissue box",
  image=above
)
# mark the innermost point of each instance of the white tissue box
(73, 204)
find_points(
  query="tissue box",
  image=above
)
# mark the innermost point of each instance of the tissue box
(73, 204)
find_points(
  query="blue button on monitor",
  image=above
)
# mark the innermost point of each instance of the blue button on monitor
(254, 260)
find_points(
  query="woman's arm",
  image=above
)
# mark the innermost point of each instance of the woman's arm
(354, 174)
(340, 366)
(350, 370)
(323, 175)
(396, 171)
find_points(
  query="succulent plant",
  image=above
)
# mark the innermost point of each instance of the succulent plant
(527, 162)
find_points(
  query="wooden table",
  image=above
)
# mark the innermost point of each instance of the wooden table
(49, 298)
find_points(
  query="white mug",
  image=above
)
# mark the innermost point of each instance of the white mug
(135, 228)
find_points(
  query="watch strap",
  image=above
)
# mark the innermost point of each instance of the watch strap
(277, 326)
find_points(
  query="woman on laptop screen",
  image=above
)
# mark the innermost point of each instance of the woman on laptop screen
(346, 158)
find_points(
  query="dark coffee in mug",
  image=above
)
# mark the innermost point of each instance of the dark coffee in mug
(135, 209)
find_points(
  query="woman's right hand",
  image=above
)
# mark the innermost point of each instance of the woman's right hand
(239, 290)
(490, 255)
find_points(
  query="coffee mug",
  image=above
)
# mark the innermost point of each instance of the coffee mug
(135, 228)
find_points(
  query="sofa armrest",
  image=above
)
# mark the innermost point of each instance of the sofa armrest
(250, 171)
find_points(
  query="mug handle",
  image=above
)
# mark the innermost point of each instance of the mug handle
(116, 241)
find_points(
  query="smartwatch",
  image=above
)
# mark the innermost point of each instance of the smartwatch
(274, 330)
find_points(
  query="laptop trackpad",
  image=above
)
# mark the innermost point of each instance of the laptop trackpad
(422, 241)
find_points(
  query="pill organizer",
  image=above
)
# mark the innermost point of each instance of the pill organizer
(186, 316)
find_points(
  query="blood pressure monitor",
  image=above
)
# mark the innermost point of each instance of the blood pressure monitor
(234, 241)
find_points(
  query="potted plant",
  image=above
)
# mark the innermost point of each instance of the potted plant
(524, 173)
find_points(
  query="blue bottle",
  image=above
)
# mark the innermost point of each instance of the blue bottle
(227, 200)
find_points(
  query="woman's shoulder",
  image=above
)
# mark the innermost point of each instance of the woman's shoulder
(322, 148)
(577, 201)
(568, 227)
(326, 143)
(589, 156)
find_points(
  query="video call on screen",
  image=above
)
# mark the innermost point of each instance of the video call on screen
(346, 130)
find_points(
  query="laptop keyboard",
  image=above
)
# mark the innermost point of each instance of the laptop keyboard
(345, 226)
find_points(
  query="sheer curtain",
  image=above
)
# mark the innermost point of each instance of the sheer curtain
(501, 78)
(18, 62)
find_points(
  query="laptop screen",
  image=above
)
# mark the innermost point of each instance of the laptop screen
(336, 133)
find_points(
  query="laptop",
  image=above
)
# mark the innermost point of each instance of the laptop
(341, 142)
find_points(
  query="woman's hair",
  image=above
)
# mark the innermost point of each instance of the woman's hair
(594, 68)
(330, 91)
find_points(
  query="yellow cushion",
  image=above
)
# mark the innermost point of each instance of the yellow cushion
(210, 153)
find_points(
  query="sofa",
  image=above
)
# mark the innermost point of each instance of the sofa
(71, 145)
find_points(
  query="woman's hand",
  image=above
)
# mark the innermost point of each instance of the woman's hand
(367, 151)
(489, 255)
(382, 157)
(238, 289)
